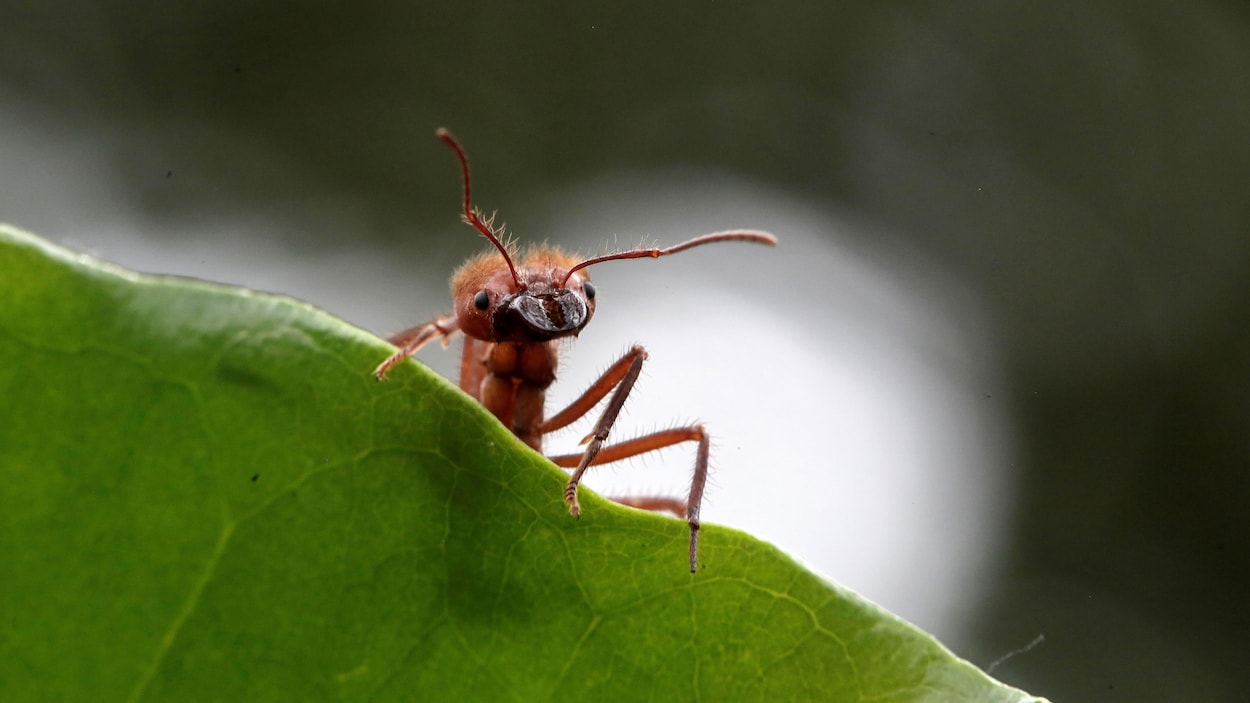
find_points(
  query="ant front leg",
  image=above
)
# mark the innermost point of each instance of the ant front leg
(622, 375)
(412, 339)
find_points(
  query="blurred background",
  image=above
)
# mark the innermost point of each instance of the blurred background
(995, 377)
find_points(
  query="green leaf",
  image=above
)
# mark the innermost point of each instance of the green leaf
(205, 495)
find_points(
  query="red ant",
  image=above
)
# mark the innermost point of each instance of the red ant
(513, 318)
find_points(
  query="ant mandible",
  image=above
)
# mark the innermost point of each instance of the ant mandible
(513, 317)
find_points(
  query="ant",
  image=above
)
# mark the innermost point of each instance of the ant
(513, 316)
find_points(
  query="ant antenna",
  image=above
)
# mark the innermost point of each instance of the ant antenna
(745, 235)
(470, 213)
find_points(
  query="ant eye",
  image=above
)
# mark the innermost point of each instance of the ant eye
(482, 300)
(590, 290)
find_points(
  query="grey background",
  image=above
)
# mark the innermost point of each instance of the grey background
(1059, 190)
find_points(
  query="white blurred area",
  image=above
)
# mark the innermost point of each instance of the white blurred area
(851, 390)
(850, 387)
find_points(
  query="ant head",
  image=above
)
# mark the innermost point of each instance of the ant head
(491, 306)
(507, 305)
(551, 295)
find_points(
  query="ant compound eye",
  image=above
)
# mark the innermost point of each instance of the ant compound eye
(590, 290)
(481, 301)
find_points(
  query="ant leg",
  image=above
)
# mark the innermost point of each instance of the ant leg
(622, 375)
(410, 340)
(642, 445)
(597, 391)
(472, 369)
(654, 504)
